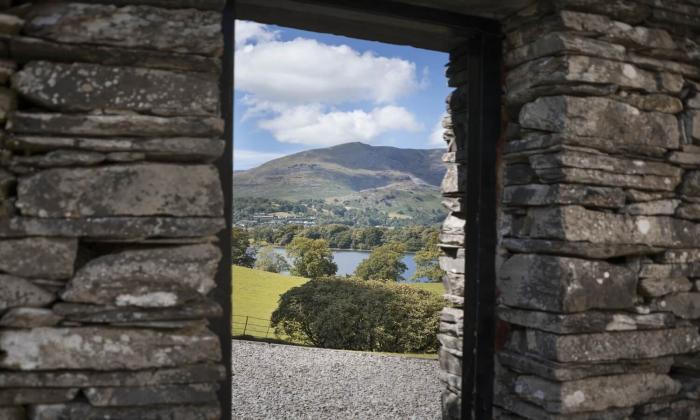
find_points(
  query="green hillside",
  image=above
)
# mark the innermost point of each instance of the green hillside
(256, 293)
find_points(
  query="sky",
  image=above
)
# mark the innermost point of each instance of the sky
(298, 90)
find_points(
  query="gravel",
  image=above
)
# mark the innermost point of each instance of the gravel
(287, 382)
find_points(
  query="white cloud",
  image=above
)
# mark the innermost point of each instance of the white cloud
(311, 125)
(246, 159)
(252, 32)
(305, 70)
(436, 138)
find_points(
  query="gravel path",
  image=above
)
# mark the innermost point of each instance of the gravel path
(287, 382)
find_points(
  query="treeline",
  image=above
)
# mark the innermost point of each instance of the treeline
(326, 213)
(340, 236)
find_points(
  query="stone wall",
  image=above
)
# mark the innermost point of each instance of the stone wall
(600, 265)
(109, 206)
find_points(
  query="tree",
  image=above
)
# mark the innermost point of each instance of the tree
(359, 315)
(240, 248)
(427, 259)
(384, 263)
(269, 260)
(312, 258)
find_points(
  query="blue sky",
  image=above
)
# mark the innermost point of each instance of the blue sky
(298, 90)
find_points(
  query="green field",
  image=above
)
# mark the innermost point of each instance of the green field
(256, 293)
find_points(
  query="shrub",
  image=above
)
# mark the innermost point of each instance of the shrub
(358, 314)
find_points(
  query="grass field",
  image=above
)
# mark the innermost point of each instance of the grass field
(256, 293)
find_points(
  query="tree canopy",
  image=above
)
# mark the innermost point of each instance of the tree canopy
(427, 260)
(269, 260)
(240, 248)
(312, 258)
(384, 263)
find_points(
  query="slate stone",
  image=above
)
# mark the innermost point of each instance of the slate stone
(152, 395)
(191, 374)
(623, 10)
(155, 278)
(455, 180)
(13, 413)
(657, 287)
(85, 313)
(691, 269)
(104, 349)
(169, 4)
(25, 49)
(652, 208)
(127, 229)
(691, 184)
(176, 149)
(689, 211)
(86, 411)
(558, 44)
(682, 256)
(595, 394)
(599, 169)
(585, 322)
(29, 318)
(134, 190)
(8, 102)
(682, 409)
(453, 260)
(47, 258)
(114, 125)
(10, 24)
(561, 284)
(7, 181)
(182, 30)
(601, 117)
(450, 362)
(24, 396)
(606, 347)
(684, 305)
(452, 231)
(17, 292)
(576, 249)
(60, 158)
(545, 195)
(652, 102)
(535, 142)
(7, 69)
(638, 196)
(81, 87)
(533, 412)
(454, 284)
(561, 372)
(574, 223)
(575, 69)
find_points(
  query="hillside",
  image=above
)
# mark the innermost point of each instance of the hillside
(374, 184)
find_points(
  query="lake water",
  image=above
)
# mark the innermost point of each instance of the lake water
(349, 260)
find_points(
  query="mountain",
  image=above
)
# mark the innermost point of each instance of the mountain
(400, 184)
(340, 172)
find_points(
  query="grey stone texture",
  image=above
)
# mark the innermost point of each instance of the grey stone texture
(47, 258)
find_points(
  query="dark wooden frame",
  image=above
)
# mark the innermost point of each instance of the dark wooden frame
(422, 27)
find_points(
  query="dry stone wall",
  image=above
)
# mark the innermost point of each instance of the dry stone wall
(110, 204)
(600, 226)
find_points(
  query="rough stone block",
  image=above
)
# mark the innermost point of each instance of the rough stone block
(574, 223)
(41, 395)
(7, 69)
(8, 103)
(83, 87)
(13, 413)
(653, 208)
(561, 284)
(691, 184)
(182, 30)
(29, 318)
(657, 287)
(159, 277)
(176, 149)
(561, 372)
(140, 378)
(49, 258)
(603, 118)
(105, 349)
(86, 411)
(455, 180)
(153, 395)
(114, 125)
(122, 190)
(627, 11)
(652, 102)
(545, 195)
(10, 24)
(606, 347)
(125, 229)
(452, 231)
(595, 394)
(17, 292)
(683, 305)
(682, 256)
(689, 211)
(585, 322)
(559, 43)
(96, 314)
(576, 249)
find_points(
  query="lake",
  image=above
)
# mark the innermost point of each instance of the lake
(348, 260)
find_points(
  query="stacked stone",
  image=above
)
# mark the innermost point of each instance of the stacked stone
(601, 228)
(452, 236)
(109, 207)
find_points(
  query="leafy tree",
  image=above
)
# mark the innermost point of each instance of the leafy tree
(312, 258)
(240, 248)
(427, 260)
(269, 260)
(384, 263)
(359, 315)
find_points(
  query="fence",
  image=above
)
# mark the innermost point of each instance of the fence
(250, 325)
